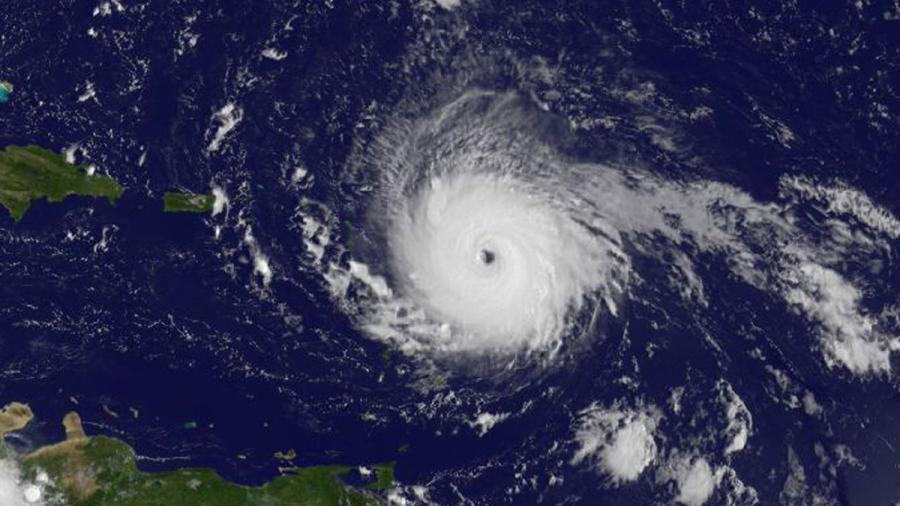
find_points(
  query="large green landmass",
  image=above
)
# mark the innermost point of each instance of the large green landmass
(187, 203)
(100, 471)
(32, 172)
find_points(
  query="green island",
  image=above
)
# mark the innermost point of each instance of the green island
(187, 202)
(99, 471)
(6, 89)
(31, 172)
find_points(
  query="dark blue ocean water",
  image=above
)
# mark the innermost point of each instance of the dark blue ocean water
(128, 307)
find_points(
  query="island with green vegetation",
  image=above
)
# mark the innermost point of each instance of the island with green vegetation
(98, 471)
(187, 202)
(6, 89)
(31, 172)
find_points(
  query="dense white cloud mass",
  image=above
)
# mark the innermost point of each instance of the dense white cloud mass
(618, 442)
(696, 482)
(14, 491)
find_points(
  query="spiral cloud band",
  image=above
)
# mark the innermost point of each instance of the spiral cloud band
(494, 255)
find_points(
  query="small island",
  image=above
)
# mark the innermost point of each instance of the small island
(6, 89)
(31, 172)
(174, 202)
(87, 470)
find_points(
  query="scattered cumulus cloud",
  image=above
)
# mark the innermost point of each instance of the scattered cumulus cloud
(849, 336)
(839, 199)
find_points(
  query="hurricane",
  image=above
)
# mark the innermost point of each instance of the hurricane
(450, 252)
(482, 239)
(501, 239)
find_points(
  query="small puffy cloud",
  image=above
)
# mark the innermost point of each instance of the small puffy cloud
(449, 4)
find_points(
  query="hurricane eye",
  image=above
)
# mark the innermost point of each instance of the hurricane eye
(487, 250)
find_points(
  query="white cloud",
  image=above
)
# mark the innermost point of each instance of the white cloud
(89, 92)
(619, 442)
(848, 335)
(740, 421)
(14, 491)
(261, 266)
(377, 283)
(274, 54)
(316, 237)
(449, 4)
(486, 421)
(694, 478)
(228, 118)
(839, 199)
(220, 200)
(810, 405)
